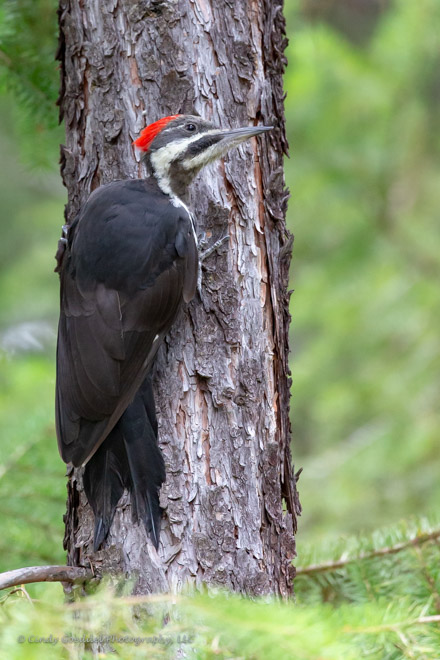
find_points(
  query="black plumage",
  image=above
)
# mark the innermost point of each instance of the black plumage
(129, 262)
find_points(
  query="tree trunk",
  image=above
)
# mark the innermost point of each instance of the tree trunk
(222, 376)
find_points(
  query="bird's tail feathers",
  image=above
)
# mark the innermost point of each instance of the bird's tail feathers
(129, 458)
(105, 477)
(147, 468)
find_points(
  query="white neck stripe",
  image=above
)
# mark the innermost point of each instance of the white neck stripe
(162, 158)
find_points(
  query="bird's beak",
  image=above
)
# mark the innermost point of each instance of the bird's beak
(232, 137)
(221, 142)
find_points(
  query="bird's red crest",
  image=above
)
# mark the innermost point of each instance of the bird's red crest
(147, 136)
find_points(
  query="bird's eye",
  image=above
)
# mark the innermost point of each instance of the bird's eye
(190, 127)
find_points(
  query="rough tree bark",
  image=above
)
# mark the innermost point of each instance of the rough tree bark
(222, 377)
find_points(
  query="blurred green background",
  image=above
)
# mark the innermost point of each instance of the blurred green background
(362, 109)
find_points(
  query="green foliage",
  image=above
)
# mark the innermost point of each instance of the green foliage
(385, 608)
(32, 484)
(403, 587)
(28, 71)
(364, 132)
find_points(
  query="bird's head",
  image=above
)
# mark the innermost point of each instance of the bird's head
(176, 148)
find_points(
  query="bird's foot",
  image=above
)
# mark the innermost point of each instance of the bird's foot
(203, 254)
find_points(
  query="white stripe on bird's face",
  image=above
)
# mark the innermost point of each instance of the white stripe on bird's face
(211, 154)
(162, 158)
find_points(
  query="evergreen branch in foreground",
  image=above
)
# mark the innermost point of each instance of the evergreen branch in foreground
(434, 618)
(390, 550)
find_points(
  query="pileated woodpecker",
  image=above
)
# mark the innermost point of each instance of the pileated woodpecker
(128, 261)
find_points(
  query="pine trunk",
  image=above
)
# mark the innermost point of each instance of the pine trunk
(222, 376)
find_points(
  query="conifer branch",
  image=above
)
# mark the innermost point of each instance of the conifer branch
(70, 574)
(381, 552)
(434, 618)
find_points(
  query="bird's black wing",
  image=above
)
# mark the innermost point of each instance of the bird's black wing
(130, 260)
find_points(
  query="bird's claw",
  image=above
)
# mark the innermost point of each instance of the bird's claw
(204, 254)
